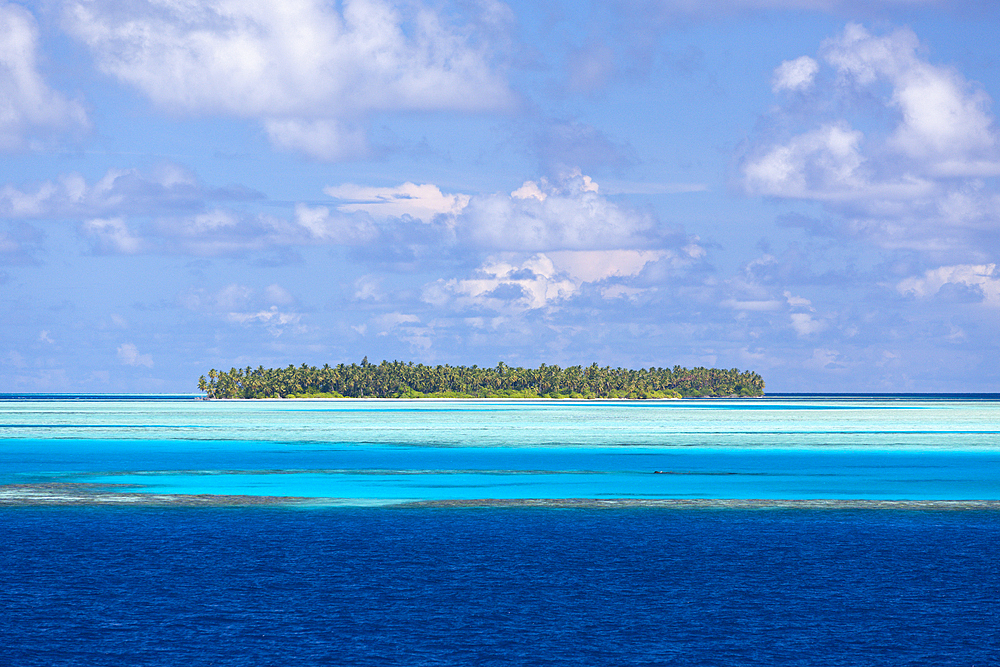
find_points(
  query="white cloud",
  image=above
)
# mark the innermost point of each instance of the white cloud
(983, 277)
(544, 280)
(229, 298)
(112, 236)
(946, 125)
(321, 225)
(390, 320)
(168, 188)
(324, 139)
(593, 265)
(753, 305)
(530, 190)
(824, 359)
(244, 305)
(29, 109)
(273, 319)
(222, 232)
(405, 327)
(914, 186)
(129, 355)
(309, 72)
(168, 211)
(805, 324)
(422, 202)
(797, 301)
(368, 288)
(795, 74)
(544, 216)
(822, 164)
(503, 286)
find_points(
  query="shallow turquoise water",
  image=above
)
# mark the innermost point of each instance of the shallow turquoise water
(383, 451)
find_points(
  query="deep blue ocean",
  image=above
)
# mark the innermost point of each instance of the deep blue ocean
(105, 559)
(512, 586)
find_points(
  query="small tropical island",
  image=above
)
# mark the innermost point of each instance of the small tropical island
(398, 379)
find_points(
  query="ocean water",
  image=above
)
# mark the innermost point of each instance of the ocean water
(371, 452)
(511, 586)
(90, 574)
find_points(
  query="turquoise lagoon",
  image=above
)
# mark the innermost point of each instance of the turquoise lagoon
(382, 452)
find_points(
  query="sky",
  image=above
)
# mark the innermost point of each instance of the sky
(809, 189)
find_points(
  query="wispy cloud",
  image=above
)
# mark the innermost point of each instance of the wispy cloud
(422, 202)
(31, 113)
(273, 308)
(168, 188)
(21, 244)
(129, 355)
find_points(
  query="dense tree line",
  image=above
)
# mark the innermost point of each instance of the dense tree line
(397, 379)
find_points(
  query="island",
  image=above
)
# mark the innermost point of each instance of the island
(398, 379)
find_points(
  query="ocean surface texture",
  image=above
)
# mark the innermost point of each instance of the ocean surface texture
(781, 531)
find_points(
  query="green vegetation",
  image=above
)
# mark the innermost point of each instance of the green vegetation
(397, 379)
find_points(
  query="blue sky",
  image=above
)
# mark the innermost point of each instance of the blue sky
(805, 188)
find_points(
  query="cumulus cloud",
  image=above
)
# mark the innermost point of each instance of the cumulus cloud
(30, 111)
(503, 286)
(544, 216)
(309, 72)
(919, 185)
(565, 215)
(946, 126)
(983, 278)
(129, 355)
(513, 284)
(795, 74)
(806, 324)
